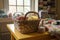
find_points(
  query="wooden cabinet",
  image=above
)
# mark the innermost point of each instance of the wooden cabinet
(1, 4)
(4, 33)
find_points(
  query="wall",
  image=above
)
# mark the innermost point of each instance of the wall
(4, 5)
(58, 8)
(1, 4)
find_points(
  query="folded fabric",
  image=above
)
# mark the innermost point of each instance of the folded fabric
(53, 28)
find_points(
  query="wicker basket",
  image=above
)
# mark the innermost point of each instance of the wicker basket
(27, 26)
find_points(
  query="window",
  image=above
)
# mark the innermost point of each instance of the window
(19, 6)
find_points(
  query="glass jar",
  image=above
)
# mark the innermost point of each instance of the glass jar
(41, 29)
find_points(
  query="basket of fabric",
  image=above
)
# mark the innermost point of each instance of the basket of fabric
(28, 24)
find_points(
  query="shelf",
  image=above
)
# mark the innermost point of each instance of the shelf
(48, 4)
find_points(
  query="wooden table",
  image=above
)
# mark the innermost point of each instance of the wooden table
(32, 36)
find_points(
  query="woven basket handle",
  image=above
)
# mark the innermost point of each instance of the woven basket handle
(31, 12)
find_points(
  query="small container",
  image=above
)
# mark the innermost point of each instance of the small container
(41, 29)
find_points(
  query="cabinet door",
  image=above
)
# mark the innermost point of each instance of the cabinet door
(1, 4)
(5, 36)
(3, 27)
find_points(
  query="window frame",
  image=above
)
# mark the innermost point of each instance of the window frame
(6, 6)
(21, 6)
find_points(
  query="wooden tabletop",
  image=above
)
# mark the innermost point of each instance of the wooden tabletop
(18, 35)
